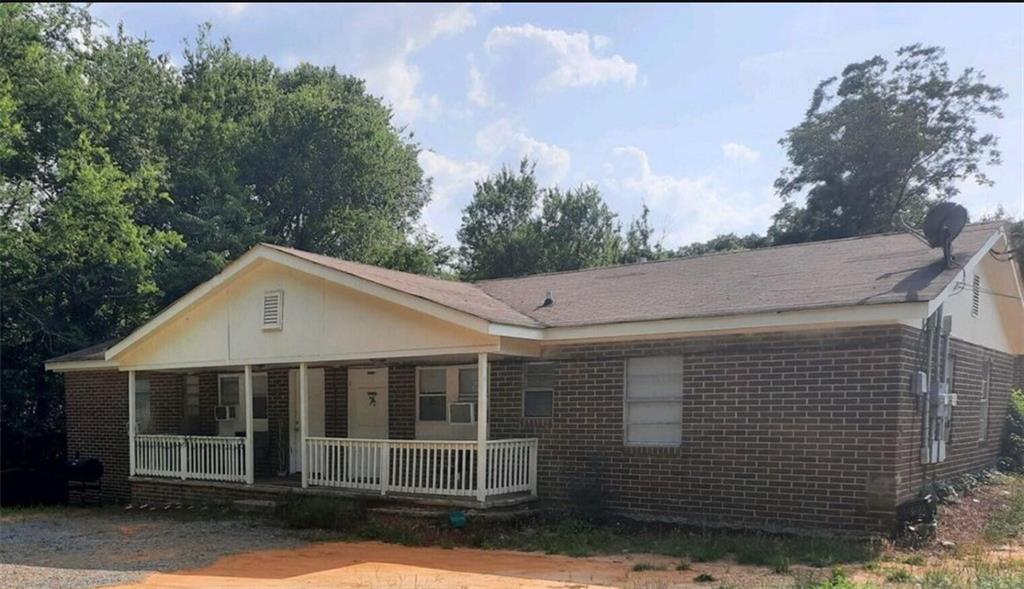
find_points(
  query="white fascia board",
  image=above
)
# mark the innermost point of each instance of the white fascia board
(184, 303)
(76, 366)
(850, 315)
(368, 356)
(968, 266)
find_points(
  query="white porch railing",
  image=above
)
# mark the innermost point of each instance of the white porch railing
(208, 458)
(445, 468)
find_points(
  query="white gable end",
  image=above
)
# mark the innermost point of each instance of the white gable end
(310, 319)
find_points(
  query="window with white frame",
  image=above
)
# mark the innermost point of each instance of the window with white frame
(654, 401)
(143, 413)
(468, 385)
(432, 403)
(538, 389)
(230, 392)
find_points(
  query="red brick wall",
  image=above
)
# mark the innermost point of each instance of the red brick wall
(96, 409)
(402, 402)
(780, 431)
(966, 452)
(166, 401)
(336, 402)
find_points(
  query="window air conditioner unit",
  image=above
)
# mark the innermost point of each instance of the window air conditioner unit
(225, 412)
(462, 413)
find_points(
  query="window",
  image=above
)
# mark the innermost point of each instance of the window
(143, 414)
(654, 401)
(433, 394)
(273, 310)
(468, 385)
(986, 387)
(230, 390)
(192, 403)
(538, 389)
(976, 296)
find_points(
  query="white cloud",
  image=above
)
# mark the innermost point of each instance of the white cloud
(391, 74)
(231, 8)
(694, 209)
(509, 143)
(478, 93)
(453, 184)
(740, 152)
(573, 54)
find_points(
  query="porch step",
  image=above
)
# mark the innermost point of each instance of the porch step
(254, 505)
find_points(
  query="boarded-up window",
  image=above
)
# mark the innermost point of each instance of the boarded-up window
(654, 401)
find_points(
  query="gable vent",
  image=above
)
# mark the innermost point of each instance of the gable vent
(273, 310)
(976, 296)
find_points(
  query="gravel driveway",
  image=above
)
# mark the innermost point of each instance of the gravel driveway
(79, 548)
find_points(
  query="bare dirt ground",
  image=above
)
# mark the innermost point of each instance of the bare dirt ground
(370, 564)
(91, 548)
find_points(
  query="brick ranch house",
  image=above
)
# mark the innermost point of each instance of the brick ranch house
(813, 386)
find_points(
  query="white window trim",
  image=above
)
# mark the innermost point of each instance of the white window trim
(419, 393)
(447, 404)
(527, 389)
(665, 399)
(241, 391)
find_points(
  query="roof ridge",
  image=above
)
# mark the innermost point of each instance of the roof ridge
(715, 254)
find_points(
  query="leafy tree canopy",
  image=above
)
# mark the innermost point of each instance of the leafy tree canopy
(884, 141)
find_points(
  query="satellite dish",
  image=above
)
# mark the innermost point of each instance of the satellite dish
(941, 226)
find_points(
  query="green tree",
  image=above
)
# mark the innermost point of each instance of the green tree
(638, 245)
(578, 230)
(499, 235)
(884, 141)
(727, 242)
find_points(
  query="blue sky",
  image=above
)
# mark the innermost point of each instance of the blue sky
(678, 106)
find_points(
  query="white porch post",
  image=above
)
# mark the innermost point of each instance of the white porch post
(250, 462)
(303, 419)
(481, 427)
(131, 423)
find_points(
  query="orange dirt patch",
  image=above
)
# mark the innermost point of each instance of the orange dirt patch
(367, 565)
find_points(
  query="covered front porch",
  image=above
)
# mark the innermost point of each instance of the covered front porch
(412, 429)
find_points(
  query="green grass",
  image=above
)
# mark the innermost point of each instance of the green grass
(575, 538)
(837, 580)
(977, 574)
(1010, 523)
(899, 576)
(705, 578)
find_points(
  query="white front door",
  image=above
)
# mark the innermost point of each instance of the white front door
(367, 419)
(315, 426)
(368, 403)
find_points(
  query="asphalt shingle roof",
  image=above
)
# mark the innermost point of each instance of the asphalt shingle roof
(873, 269)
